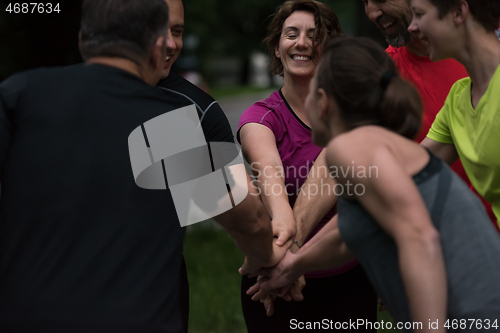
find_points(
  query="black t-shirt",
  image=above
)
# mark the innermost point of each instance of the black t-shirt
(213, 120)
(82, 247)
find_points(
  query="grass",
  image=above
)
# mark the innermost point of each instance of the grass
(212, 262)
(214, 283)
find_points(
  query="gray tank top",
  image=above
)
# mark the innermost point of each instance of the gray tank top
(470, 244)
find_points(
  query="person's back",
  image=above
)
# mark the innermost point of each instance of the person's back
(83, 248)
(468, 240)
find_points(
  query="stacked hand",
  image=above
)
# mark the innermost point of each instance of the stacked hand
(277, 279)
(284, 229)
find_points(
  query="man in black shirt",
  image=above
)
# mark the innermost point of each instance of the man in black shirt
(83, 248)
(214, 122)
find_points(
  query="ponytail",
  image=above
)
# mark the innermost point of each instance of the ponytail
(401, 108)
(365, 84)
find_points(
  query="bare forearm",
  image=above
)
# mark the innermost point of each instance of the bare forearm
(259, 149)
(315, 199)
(308, 212)
(250, 226)
(273, 192)
(256, 239)
(423, 272)
(445, 151)
(325, 250)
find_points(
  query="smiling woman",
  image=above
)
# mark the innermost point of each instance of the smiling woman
(275, 135)
(295, 49)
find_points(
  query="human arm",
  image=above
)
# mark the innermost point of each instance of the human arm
(394, 201)
(439, 139)
(316, 198)
(258, 144)
(250, 226)
(445, 151)
(325, 250)
(312, 204)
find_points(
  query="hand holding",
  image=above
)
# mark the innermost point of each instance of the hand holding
(252, 268)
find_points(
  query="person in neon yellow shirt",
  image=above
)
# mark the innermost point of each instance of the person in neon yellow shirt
(468, 125)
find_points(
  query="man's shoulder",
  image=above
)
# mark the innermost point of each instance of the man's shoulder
(176, 84)
(40, 72)
(37, 78)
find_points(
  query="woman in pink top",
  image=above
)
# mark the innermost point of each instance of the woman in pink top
(276, 140)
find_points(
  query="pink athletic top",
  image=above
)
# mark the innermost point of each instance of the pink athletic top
(297, 152)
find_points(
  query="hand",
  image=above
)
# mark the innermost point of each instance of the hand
(266, 298)
(279, 276)
(284, 228)
(251, 267)
(291, 292)
(269, 304)
(294, 291)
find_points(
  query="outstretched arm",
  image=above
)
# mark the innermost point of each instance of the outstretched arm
(250, 226)
(315, 199)
(324, 251)
(258, 144)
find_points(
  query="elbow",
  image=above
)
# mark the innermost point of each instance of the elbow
(249, 218)
(427, 241)
(256, 221)
(432, 241)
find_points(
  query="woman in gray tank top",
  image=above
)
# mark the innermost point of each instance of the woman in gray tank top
(422, 236)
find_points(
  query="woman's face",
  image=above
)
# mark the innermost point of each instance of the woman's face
(296, 45)
(438, 32)
(312, 106)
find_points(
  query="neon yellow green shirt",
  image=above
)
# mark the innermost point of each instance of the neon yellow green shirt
(475, 134)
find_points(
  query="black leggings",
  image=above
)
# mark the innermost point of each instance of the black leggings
(339, 298)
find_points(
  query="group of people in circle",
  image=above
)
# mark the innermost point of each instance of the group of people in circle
(418, 237)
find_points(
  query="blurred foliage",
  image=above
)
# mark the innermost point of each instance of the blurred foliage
(237, 28)
(225, 29)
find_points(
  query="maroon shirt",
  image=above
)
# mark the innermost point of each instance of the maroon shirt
(297, 152)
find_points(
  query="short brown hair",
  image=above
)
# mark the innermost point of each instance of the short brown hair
(363, 81)
(327, 26)
(486, 12)
(122, 28)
